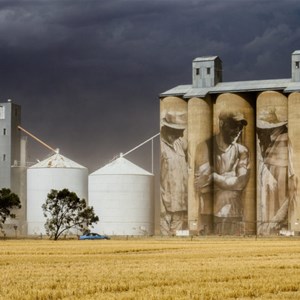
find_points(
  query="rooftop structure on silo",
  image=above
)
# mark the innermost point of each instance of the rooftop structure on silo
(207, 79)
(207, 71)
(296, 66)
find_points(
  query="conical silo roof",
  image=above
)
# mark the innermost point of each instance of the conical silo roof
(121, 166)
(57, 161)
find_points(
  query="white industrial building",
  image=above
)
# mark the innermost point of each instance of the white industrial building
(122, 196)
(121, 193)
(56, 172)
(13, 162)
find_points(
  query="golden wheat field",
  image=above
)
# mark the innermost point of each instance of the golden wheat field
(153, 268)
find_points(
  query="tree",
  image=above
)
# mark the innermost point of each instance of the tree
(8, 201)
(64, 210)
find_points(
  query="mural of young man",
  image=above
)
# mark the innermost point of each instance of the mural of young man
(278, 184)
(226, 170)
(174, 173)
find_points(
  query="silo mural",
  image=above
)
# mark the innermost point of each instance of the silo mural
(275, 173)
(222, 169)
(234, 177)
(294, 133)
(239, 163)
(173, 166)
(207, 185)
(200, 197)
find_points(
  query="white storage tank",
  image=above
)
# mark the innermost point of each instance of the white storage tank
(122, 195)
(56, 172)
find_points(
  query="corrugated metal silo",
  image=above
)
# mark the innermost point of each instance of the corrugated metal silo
(122, 196)
(56, 172)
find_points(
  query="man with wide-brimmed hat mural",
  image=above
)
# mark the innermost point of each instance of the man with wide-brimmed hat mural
(276, 178)
(174, 173)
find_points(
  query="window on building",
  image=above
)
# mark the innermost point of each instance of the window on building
(4, 131)
(2, 112)
(4, 157)
(197, 71)
(208, 71)
(297, 64)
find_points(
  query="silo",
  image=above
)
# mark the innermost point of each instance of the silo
(200, 214)
(122, 196)
(273, 162)
(294, 133)
(56, 172)
(242, 195)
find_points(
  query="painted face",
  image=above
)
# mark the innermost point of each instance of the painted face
(174, 134)
(230, 130)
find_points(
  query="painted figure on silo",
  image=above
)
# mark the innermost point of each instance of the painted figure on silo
(222, 173)
(278, 184)
(174, 173)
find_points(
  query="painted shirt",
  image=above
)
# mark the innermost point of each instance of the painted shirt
(226, 172)
(275, 171)
(231, 174)
(174, 174)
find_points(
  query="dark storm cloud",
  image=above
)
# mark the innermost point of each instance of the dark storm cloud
(88, 73)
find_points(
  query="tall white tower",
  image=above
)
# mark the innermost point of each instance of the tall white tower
(12, 170)
(10, 138)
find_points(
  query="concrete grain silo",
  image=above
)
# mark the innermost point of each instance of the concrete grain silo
(56, 172)
(122, 195)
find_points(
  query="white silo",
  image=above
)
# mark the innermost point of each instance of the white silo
(56, 172)
(122, 195)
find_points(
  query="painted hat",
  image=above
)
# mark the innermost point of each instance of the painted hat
(268, 119)
(236, 116)
(175, 120)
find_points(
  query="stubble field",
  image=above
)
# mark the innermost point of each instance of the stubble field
(154, 268)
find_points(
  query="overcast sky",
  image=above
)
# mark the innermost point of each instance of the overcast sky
(88, 73)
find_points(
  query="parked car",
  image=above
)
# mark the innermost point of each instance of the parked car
(93, 236)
